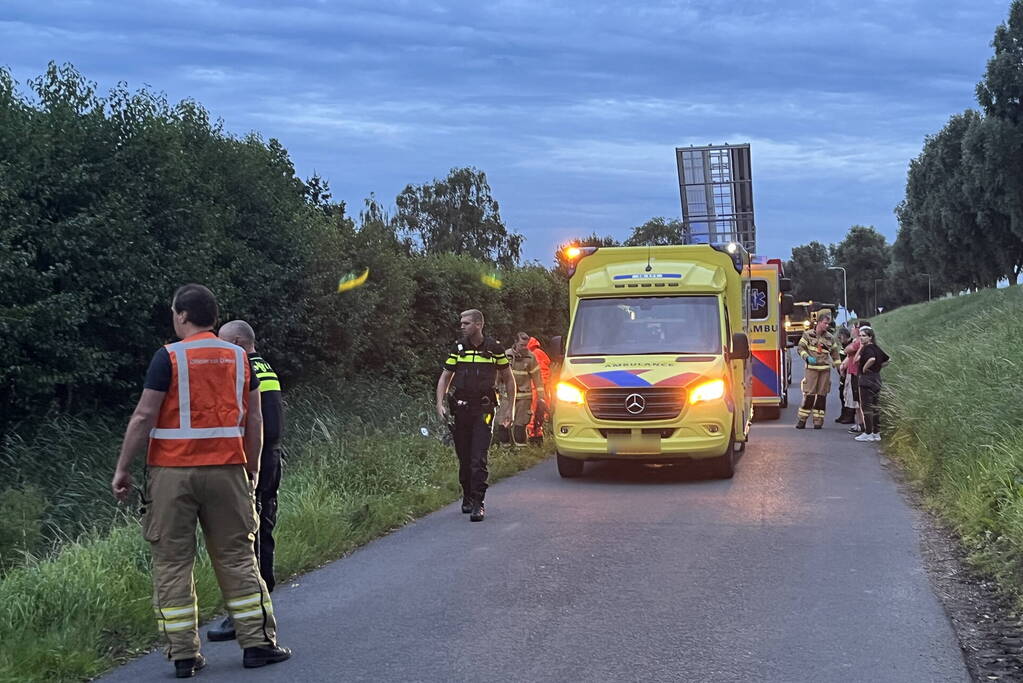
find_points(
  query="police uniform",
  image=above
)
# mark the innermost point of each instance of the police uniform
(525, 369)
(473, 400)
(269, 463)
(196, 461)
(820, 353)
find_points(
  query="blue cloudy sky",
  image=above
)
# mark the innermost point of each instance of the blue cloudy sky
(573, 109)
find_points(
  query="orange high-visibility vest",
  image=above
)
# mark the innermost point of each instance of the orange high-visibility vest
(202, 419)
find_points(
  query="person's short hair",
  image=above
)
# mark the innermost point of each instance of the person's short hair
(241, 330)
(198, 303)
(473, 314)
(863, 323)
(522, 336)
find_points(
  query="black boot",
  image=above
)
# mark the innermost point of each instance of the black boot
(263, 655)
(186, 668)
(478, 512)
(225, 631)
(466, 505)
(801, 423)
(846, 418)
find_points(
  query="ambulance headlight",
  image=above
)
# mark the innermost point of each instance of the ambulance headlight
(708, 391)
(570, 393)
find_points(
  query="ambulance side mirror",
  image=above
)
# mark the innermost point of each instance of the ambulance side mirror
(787, 304)
(558, 349)
(740, 347)
(785, 285)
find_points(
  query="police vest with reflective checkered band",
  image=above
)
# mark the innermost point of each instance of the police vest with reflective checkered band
(202, 419)
(268, 380)
(476, 369)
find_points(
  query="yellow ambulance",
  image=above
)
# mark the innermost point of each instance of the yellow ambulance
(770, 359)
(656, 364)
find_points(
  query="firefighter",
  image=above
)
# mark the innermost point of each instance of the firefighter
(471, 371)
(200, 417)
(528, 381)
(818, 349)
(240, 333)
(540, 399)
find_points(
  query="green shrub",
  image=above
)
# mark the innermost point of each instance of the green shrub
(21, 524)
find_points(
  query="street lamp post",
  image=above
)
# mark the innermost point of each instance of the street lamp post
(845, 292)
(880, 279)
(928, 285)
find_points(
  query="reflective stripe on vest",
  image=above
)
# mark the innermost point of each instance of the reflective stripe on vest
(185, 429)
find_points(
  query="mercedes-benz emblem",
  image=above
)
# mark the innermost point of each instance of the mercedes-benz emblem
(635, 404)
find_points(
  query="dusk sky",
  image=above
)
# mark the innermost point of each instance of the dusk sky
(572, 109)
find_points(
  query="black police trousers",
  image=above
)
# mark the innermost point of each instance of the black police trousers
(266, 507)
(473, 430)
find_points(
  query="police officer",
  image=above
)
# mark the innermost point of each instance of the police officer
(525, 369)
(200, 417)
(818, 349)
(240, 333)
(471, 371)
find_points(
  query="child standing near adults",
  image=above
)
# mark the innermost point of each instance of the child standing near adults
(871, 358)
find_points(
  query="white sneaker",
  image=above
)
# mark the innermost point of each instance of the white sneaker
(864, 437)
(877, 437)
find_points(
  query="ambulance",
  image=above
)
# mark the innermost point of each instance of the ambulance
(771, 362)
(656, 365)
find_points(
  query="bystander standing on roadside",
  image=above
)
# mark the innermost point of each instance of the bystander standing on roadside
(846, 417)
(871, 359)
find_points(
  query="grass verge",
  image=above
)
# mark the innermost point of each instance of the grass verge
(953, 402)
(348, 479)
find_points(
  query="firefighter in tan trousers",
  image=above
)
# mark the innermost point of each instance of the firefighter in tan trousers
(199, 414)
(526, 371)
(819, 351)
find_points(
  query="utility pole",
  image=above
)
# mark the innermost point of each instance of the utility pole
(880, 279)
(845, 292)
(928, 285)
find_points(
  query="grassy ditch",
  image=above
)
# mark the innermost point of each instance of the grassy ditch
(352, 474)
(953, 401)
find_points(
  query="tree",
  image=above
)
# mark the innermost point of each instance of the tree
(1000, 94)
(865, 255)
(656, 231)
(808, 270)
(457, 215)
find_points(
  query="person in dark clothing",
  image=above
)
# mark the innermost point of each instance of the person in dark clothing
(240, 333)
(471, 371)
(871, 359)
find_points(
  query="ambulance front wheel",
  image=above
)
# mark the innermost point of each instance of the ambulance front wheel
(723, 466)
(569, 468)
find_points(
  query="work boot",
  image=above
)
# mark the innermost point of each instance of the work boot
(478, 512)
(801, 423)
(847, 417)
(818, 425)
(186, 668)
(264, 654)
(225, 631)
(466, 506)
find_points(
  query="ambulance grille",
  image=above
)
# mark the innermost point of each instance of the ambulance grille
(658, 403)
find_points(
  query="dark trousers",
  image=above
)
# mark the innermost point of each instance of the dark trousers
(266, 506)
(473, 430)
(869, 392)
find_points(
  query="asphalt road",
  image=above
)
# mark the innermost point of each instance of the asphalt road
(804, 567)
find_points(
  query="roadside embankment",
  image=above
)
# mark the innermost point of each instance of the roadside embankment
(953, 418)
(351, 474)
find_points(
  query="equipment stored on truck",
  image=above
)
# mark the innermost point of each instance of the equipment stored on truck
(656, 365)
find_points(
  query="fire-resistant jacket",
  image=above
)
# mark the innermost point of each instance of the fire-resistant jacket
(526, 371)
(202, 418)
(544, 361)
(822, 347)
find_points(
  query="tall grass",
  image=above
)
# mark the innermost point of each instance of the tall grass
(954, 405)
(354, 470)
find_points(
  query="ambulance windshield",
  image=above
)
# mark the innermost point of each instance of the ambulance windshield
(646, 325)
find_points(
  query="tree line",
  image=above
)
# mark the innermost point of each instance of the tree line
(961, 221)
(109, 202)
